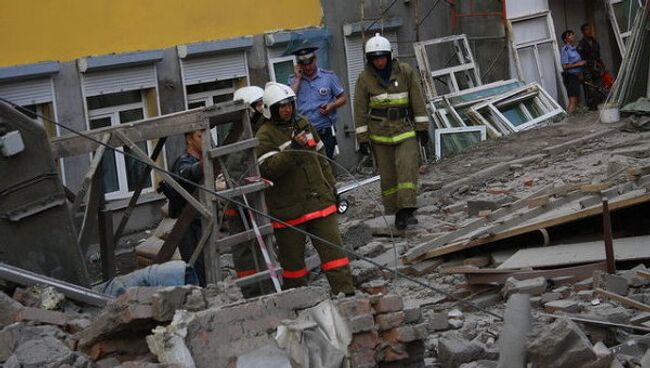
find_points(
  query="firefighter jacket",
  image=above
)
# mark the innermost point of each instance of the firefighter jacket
(303, 183)
(389, 113)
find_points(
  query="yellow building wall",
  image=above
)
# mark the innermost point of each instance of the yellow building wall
(60, 30)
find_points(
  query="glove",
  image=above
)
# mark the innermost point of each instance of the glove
(364, 148)
(423, 137)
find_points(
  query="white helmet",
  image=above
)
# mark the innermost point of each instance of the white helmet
(275, 93)
(250, 95)
(378, 46)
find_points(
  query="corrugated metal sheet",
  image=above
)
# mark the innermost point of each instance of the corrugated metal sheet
(210, 69)
(119, 80)
(356, 60)
(29, 92)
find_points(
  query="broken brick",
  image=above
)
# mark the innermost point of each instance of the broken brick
(400, 334)
(567, 306)
(389, 303)
(361, 323)
(8, 307)
(363, 359)
(29, 314)
(137, 295)
(389, 320)
(364, 340)
(354, 306)
(394, 352)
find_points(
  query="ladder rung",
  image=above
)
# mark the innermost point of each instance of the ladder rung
(234, 147)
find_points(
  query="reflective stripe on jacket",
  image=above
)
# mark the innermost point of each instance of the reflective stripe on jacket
(402, 91)
(302, 182)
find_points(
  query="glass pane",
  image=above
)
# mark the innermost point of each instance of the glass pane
(113, 99)
(109, 167)
(211, 86)
(282, 71)
(222, 98)
(134, 169)
(32, 108)
(194, 105)
(457, 142)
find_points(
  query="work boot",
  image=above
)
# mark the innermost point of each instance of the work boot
(401, 218)
(411, 219)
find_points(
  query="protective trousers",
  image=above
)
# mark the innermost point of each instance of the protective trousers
(398, 167)
(334, 262)
(247, 257)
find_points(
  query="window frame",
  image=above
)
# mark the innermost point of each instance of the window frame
(113, 113)
(276, 60)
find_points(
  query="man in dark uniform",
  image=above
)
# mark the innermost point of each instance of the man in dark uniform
(189, 166)
(589, 49)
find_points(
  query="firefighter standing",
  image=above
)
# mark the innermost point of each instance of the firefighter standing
(390, 114)
(247, 258)
(303, 192)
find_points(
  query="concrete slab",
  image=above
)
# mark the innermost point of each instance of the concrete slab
(625, 249)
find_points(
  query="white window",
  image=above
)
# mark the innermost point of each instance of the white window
(281, 68)
(120, 173)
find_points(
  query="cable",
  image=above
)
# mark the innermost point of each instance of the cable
(430, 11)
(380, 16)
(258, 212)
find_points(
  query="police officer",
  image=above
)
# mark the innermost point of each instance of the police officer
(247, 258)
(303, 192)
(573, 66)
(390, 115)
(319, 94)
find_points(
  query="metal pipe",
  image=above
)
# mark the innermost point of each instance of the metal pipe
(607, 237)
(28, 278)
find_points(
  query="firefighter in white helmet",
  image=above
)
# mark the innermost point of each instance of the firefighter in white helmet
(390, 117)
(247, 258)
(303, 192)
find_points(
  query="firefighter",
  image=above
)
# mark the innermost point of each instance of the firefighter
(247, 257)
(391, 118)
(303, 192)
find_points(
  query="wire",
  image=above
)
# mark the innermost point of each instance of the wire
(258, 212)
(430, 11)
(380, 16)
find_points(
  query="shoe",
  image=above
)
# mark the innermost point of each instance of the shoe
(401, 219)
(411, 219)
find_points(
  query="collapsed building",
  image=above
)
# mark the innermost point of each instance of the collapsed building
(521, 236)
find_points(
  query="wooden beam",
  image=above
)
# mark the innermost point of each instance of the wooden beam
(90, 213)
(628, 302)
(481, 276)
(171, 181)
(90, 174)
(644, 274)
(234, 147)
(142, 181)
(245, 189)
(148, 129)
(509, 233)
(174, 238)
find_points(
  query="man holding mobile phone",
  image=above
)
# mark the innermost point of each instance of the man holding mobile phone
(319, 94)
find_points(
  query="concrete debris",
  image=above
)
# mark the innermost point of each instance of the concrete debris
(560, 345)
(454, 350)
(8, 308)
(46, 352)
(168, 343)
(533, 287)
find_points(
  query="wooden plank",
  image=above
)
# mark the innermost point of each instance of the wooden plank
(575, 143)
(423, 248)
(244, 236)
(538, 201)
(593, 211)
(94, 164)
(234, 147)
(168, 248)
(171, 181)
(644, 274)
(142, 181)
(149, 129)
(625, 249)
(628, 302)
(106, 241)
(595, 188)
(245, 189)
(90, 213)
(476, 276)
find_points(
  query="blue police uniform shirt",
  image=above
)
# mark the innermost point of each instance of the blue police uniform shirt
(322, 89)
(570, 55)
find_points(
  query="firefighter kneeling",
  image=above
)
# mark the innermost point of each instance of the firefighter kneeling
(303, 193)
